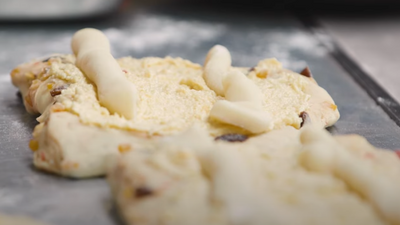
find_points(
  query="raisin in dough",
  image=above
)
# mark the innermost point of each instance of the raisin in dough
(171, 94)
(269, 179)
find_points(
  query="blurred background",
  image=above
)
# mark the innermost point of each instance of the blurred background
(368, 30)
(78, 9)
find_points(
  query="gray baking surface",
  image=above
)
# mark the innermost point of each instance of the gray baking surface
(60, 201)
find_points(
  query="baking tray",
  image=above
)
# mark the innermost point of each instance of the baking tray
(154, 32)
(28, 10)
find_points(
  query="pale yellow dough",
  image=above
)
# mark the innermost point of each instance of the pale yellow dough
(191, 179)
(17, 220)
(172, 95)
(93, 57)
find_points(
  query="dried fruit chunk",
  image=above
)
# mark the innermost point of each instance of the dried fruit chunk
(63, 59)
(34, 145)
(305, 117)
(306, 72)
(19, 95)
(232, 137)
(397, 153)
(57, 91)
(122, 148)
(142, 192)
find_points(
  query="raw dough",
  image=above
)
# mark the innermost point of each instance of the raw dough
(17, 220)
(88, 39)
(171, 95)
(191, 179)
(115, 92)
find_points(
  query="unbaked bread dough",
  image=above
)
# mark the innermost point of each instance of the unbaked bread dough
(151, 124)
(17, 220)
(115, 92)
(89, 39)
(152, 97)
(192, 179)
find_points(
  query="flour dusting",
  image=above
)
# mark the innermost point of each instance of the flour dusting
(289, 47)
(387, 102)
(17, 125)
(325, 38)
(152, 32)
(9, 198)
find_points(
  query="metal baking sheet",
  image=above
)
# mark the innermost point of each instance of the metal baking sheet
(188, 34)
(25, 10)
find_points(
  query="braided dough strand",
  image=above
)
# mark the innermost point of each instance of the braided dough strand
(238, 87)
(243, 104)
(89, 39)
(115, 91)
(321, 153)
(242, 114)
(216, 66)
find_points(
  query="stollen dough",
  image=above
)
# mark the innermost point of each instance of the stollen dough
(165, 97)
(191, 179)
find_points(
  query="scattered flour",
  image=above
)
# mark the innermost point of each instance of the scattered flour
(9, 198)
(289, 47)
(18, 125)
(152, 32)
(146, 34)
(387, 102)
(325, 38)
(305, 42)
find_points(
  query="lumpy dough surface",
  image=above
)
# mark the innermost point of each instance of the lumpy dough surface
(173, 95)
